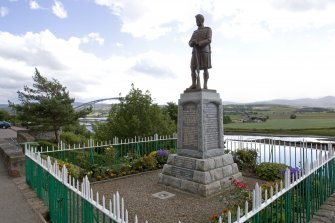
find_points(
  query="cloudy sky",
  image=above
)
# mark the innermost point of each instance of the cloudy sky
(261, 49)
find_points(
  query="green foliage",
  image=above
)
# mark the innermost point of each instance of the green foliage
(227, 119)
(245, 159)
(135, 115)
(78, 129)
(110, 155)
(171, 109)
(149, 162)
(43, 145)
(270, 171)
(4, 115)
(46, 106)
(293, 116)
(71, 138)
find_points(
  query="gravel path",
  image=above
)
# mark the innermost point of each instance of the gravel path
(137, 193)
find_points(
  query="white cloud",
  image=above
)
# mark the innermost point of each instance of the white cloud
(59, 10)
(3, 11)
(119, 44)
(93, 37)
(34, 5)
(151, 19)
(86, 75)
(249, 21)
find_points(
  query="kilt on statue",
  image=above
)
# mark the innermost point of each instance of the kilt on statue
(201, 54)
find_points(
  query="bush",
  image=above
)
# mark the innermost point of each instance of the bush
(227, 120)
(162, 156)
(71, 138)
(149, 162)
(270, 171)
(110, 155)
(293, 116)
(43, 145)
(245, 159)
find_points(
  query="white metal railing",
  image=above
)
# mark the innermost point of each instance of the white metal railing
(113, 208)
(115, 141)
(275, 193)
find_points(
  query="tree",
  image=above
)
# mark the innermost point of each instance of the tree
(4, 115)
(135, 115)
(46, 106)
(171, 109)
(293, 116)
(227, 119)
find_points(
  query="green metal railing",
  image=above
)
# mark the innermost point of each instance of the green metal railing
(69, 200)
(296, 199)
(123, 150)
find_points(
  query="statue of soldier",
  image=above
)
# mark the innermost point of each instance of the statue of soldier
(201, 54)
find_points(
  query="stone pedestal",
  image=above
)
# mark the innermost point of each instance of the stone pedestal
(200, 165)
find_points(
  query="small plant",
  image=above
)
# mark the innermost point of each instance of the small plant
(153, 154)
(245, 159)
(237, 195)
(270, 171)
(110, 155)
(162, 156)
(293, 172)
(149, 162)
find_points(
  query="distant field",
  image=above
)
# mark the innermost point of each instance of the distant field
(309, 121)
(286, 124)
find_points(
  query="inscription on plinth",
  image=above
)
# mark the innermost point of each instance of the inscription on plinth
(185, 162)
(212, 126)
(182, 173)
(190, 126)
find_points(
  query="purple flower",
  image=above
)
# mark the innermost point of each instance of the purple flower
(162, 152)
(293, 171)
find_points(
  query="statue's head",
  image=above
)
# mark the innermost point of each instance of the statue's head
(200, 19)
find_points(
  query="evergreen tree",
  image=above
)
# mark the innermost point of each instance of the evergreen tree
(46, 106)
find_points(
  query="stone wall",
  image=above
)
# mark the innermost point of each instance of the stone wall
(13, 158)
(33, 135)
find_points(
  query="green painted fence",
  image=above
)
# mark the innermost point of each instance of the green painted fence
(95, 152)
(70, 200)
(296, 199)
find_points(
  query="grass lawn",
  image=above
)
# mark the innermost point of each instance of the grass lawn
(324, 127)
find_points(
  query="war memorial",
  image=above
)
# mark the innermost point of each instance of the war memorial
(200, 165)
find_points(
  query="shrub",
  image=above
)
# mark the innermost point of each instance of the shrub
(270, 171)
(43, 145)
(71, 138)
(162, 156)
(110, 155)
(245, 159)
(293, 116)
(149, 162)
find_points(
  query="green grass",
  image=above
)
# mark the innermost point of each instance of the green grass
(286, 124)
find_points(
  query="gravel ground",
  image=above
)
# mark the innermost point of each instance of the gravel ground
(137, 193)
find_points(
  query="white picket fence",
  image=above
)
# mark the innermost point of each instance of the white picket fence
(115, 141)
(113, 208)
(275, 193)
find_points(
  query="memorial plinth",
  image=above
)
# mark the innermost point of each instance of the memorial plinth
(200, 165)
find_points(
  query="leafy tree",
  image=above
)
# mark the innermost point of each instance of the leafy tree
(4, 115)
(227, 119)
(293, 116)
(135, 115)
(46, 106)
(171, 109)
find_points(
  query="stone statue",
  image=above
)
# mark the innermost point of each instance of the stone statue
(201, 54)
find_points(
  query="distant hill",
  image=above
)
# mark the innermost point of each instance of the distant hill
(325, 102)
